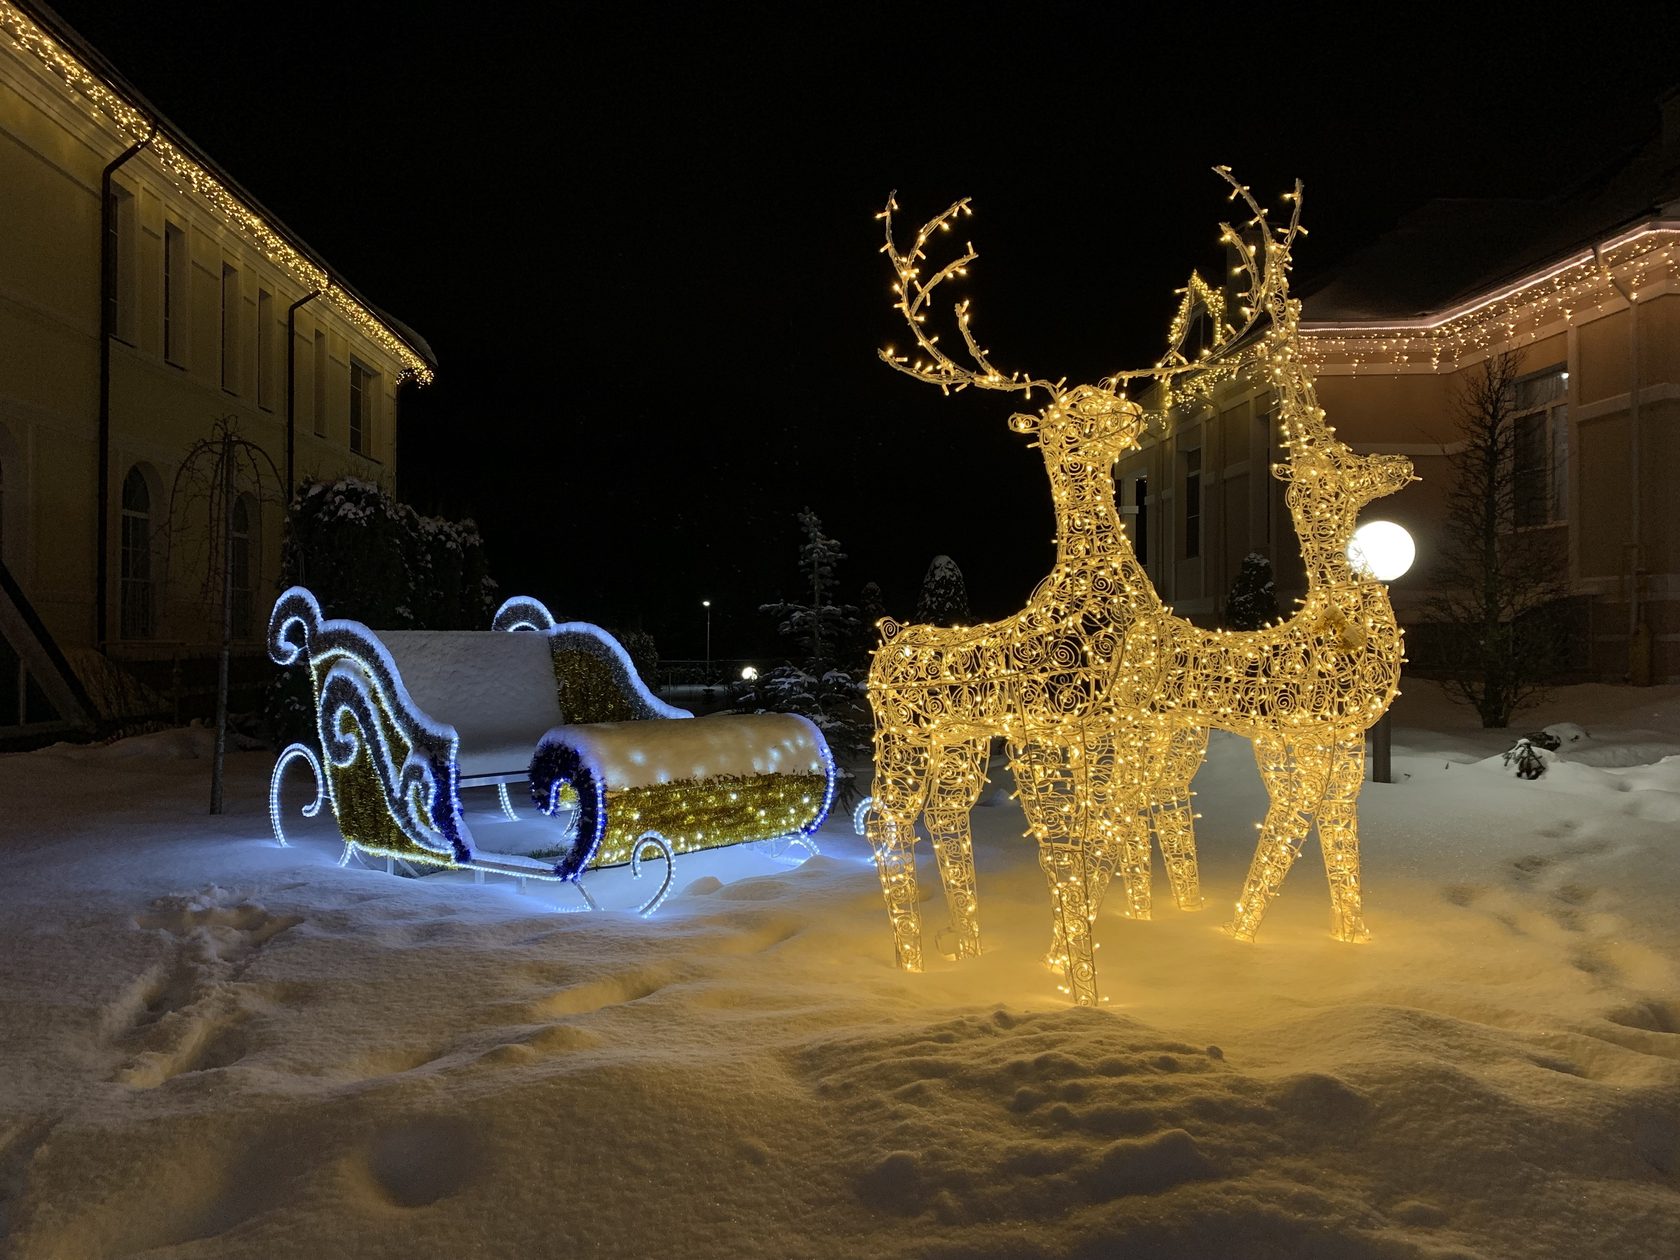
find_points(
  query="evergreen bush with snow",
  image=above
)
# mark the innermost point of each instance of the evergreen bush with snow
(944, 597)
(871, 609)
(368, 557)
(1252, 603)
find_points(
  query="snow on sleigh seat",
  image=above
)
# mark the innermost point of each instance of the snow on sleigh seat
(714, 781)
(408, 719)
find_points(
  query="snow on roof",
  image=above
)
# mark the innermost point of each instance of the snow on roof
(37, 29)
(1451, 250)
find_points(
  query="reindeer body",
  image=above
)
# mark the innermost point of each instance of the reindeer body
(1304, 690)
(1036, 679)
(1103, 697)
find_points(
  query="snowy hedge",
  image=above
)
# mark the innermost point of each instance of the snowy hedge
(375, 560)
(367, 557)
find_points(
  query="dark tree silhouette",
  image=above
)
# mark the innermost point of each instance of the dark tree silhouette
(1498, 584)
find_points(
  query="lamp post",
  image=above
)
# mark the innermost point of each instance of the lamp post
(707, 605)
(1383, 550)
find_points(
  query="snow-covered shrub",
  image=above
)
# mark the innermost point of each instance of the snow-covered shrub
(944, 597)
(871, 608)
(370, 558)
(1252, 602)
(374, 560)
(1525, 759)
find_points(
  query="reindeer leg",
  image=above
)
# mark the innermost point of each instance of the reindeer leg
(1294, 792)
(1047, 778)
(1117, 821)
(1338, 837)
(901, 769)
(1064, 866)
(956, 782)
(1181, 749)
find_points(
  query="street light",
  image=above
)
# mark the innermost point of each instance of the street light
(707, 605)
(1382, 550)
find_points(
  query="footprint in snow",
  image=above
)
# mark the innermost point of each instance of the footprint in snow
(185, 1015)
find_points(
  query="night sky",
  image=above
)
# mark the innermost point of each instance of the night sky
(641, 239)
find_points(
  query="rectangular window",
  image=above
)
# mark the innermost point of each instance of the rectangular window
(175, 297)
(1192, 504)
(1540, 449)
(320, 383)
(230, 329)
(265, 349)
(122, 292)
(360, 399)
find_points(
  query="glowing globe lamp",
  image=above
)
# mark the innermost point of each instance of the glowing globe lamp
(1381, 549)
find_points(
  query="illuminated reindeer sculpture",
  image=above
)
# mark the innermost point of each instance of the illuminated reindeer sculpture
(1306, 689)
(1038, 679)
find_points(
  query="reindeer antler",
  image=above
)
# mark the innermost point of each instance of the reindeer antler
(1269, 277)
(913, 294)
(1268, 289)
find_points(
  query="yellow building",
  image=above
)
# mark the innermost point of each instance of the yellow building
(1583, 288)
(143, 296)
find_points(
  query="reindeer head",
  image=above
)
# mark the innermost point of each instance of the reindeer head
(1330, 484)
(1084, 425)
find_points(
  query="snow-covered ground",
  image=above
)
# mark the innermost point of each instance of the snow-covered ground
(214, 1047)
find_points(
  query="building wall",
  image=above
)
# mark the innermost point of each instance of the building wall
(1409, 408)
(52, 151)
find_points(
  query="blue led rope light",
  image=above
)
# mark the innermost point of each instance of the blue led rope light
(653, 840)
(860, 815)
(521, 612)
(362, 694)
(289, 754)
(810, 828)
(561, 765)
(295, 629)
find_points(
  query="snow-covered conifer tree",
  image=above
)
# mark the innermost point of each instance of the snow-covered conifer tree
(1252, 602)
(944, 598)
(818, 685)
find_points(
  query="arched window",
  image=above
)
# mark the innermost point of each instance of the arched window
(241, 556)
(137, 601)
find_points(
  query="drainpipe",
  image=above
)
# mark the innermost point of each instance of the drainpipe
(1639, 636)
(107, 329)
(291, 387)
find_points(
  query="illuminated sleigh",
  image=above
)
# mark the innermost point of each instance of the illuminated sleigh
(408, 720)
